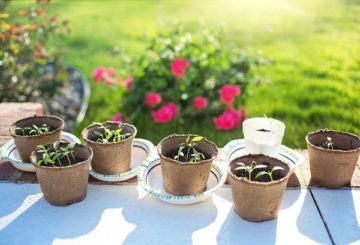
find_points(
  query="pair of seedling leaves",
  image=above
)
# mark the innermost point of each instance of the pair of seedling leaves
(110, 136)
(56, 154)
(188, 150)
(253, 166)
(34, 130)
(329, 143)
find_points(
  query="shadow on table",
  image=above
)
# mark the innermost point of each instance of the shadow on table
(235, 230)
(339, 212)
(42, 223)
(307, 221)
(165, 223)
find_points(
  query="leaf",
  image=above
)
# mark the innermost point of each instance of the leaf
(240, 163)
(71, 146)
(197, 139)
(277, 168)
(259, 166)
(240, 168)
(98, 134)
(188, 139)
(261, 173)
(56, 145)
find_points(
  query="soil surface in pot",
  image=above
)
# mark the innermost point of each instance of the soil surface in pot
(185, 159)
(340, 140)
(26, 132)
(276, 175)
(97, 138)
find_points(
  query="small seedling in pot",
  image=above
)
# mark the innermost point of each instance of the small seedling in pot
(269, 172)
(55, 153)
(34, 130)
(110, 136)
(249, 168)
(188, 152)
(329, 143)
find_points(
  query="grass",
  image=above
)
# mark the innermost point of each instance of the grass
(314, 45)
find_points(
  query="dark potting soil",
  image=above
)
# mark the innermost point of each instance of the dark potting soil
(334, 148)
(26, 133)
(277, 174)
(174, 153)
(264, 130)
(95, 138)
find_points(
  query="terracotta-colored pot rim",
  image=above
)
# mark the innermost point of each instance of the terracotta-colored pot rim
(58, 168)
(330, 150)
(201, 162)
(13, 127)
(112, 143)
(257, 183)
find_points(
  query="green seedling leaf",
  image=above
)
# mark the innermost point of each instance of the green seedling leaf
(197, 139)
(261, 173)
(277, 168)
(259, 166)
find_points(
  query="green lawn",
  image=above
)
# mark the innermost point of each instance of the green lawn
(314, 45)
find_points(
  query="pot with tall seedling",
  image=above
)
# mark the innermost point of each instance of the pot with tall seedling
(185, 163)
(63, 171)
(111, 143)
(258, 183)
(333, 156)
(32, 131)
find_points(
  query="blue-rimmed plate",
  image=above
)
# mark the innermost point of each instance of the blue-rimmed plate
(9, 153)
(236, 148)
(141, 151)
(150, 179)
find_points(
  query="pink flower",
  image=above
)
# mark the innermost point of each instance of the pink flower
(117, 117)
(99, 73)
(166, 113)
(200, 102)
(229, 120)
(179, 66)
(152, 99)
(129, 82)
(110, 71)
(228, 93)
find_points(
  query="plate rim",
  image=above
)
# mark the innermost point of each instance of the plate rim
(129, 174)
(180, 200)
(226, 150)
(4, 153)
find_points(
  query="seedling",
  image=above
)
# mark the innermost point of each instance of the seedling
(269, 172)
(55, 153)
(34, 130)
(110, 136)
(249, 168)
(192, 155)
(329, 143)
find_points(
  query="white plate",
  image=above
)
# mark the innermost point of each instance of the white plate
(141, 151)
(150, 179)
(9, 153)
(236, 148)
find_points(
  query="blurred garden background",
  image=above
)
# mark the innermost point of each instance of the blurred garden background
(303, 58)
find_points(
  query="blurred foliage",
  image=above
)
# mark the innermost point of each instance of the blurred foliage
(29, 71)
(213, 63)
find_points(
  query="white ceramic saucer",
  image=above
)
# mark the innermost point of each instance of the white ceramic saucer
(9, 153)
(141, 151)
(236, 148)
(150, 179)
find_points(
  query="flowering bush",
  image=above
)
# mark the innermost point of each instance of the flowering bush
(183, 76)
(25, 74)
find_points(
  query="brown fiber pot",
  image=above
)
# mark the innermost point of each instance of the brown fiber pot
(26, 144)
(332, 168)
(180, 178)
(65, 185)
(110, 158)
(257, 201)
